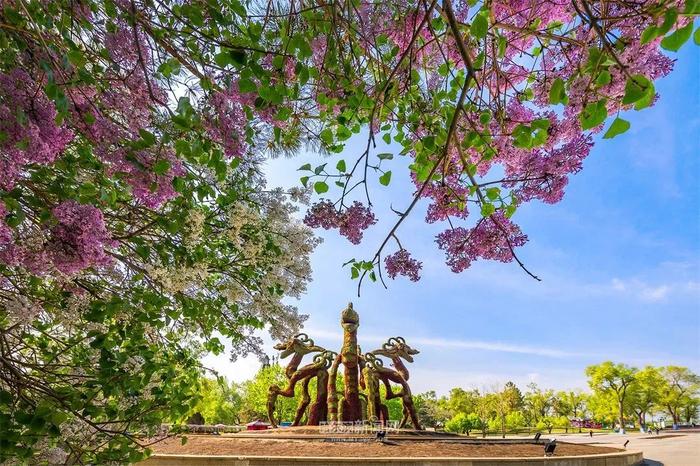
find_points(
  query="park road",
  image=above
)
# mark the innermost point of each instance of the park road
(669, 448)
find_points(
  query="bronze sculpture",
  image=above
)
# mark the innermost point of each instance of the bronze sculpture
(362, 374)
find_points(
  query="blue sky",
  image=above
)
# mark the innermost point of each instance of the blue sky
(619, 258)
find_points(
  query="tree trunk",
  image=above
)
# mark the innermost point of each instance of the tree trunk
(622, 416)
(674, 415)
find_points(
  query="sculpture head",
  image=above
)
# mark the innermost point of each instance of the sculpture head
(299, 344)
(349, 319)
(397, 347)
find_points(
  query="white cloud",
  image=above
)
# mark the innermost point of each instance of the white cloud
(652, 292)
(618, 285)
(655, 293)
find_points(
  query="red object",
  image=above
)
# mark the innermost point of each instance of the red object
(257, 425)
(586, 423)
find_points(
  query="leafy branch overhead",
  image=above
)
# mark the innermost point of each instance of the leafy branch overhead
(135, 224)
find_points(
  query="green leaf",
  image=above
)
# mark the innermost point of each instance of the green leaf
(6, 397)
(649, 34)
(76, 57)
(385, 156)
(340, 166)
(161, 167)
(485, 118)
(557, 93)
(636, 88)
(343, 133)
(326, 136)
(670, 18)
(222, 59)
(618, 126)
(480, 26)
(678, 38)
(696, 36)
(493, 193)
(487, 210)
(246, 85)
(603, 79)
(283, 114)
(305, 167)
(593, 114)
(304, 180)
(320, 187)
(147, 136)
(385, 179)
(386, 137)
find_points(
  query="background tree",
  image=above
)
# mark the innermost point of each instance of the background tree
(462, 401)
(614, 380)
(220, 401)
(505, 402)
(645, 393)
(690, 409)
(562, 422)
(537, 403)
(432, 411)
(485, 409)
(680, 389)
(546, 423)
(603, 408)
(254, 395)
(515, 420)
(462, 423)
(512, 397)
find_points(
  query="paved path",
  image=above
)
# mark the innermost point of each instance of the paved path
(668, 448)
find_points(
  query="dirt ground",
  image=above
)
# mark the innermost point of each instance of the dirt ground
(214, 445)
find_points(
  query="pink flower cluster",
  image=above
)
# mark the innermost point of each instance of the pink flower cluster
(110, 118)
(5, 230)
(28, 127)
(79, 239)
(492, 238)
(351, 223)
(322, 215)
(401, 263)
(228, 125)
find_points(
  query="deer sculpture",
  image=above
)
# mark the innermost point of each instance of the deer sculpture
(397, 350)
(299, 346)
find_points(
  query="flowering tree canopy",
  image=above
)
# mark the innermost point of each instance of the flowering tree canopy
(134, 222)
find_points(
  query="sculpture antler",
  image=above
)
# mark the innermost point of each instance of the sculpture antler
(373, 361)
(389, 343)
(304, 339)
(327, 355)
